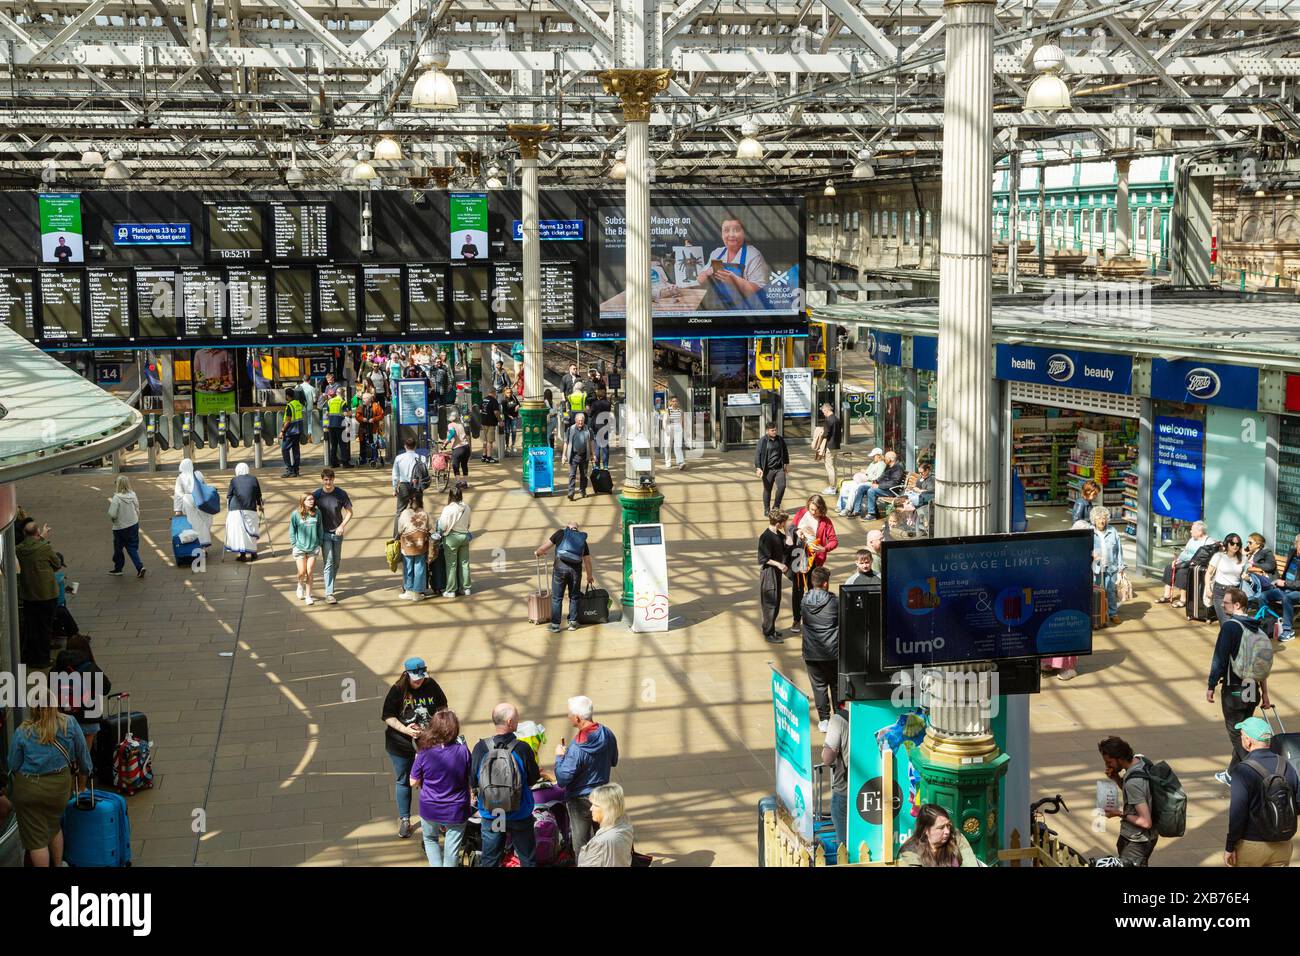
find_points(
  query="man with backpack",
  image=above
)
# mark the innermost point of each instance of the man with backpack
(1262, 814)
(572, 558)
(1243, 657)
(502, 772)
(1131, 772)
(410, 476)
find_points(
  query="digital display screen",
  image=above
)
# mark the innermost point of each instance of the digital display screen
(426, 299)
(156, 308)
(652, 534)
(109, 303)
(61, 319)
(557, 296)
(337, 290)
(987, 598)
(234, 231)
(248, 294)
(293, 302)
(470, 299)
(300, 230)
(203, 298)
(18, 300)
(383, 300)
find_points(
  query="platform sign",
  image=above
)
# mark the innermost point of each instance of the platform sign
(151, 234)
(649, 564)
(553, 230)
(797, 384)
(1178, 473)
(793, 753)
(413, 401)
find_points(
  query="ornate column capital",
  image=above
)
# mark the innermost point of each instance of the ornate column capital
(636, 88)
(529, 136)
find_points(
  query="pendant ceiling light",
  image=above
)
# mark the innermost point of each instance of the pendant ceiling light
(434, 90)
(1048, 93)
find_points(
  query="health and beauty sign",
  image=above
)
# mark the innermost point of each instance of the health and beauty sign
(793, 754)
(151, 234)
(1096, 371)
(1205, 383)
(925, 353)
(1178, 473)
(413, 401)
(61, 227)
(469, 226)
(987, 598)
(553, 230)
(885, 348)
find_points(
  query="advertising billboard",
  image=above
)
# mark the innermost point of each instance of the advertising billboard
(793, 753)
(711, 263)
(987, 598)
(61, 227)
(469, 225)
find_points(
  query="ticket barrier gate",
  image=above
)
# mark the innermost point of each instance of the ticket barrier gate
(744, 419)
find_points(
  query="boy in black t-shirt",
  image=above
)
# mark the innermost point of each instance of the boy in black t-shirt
(489, 418)
(509, 418)
(335, 508)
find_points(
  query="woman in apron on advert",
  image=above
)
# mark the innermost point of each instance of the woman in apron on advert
(737, 273)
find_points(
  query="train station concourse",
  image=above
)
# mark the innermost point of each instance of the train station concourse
(801, 435)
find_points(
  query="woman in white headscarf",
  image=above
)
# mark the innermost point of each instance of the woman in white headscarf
(183, 502)
(243, 501)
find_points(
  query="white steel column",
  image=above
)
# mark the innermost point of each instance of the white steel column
(962, 503)
(1123, 224)
(532, 413)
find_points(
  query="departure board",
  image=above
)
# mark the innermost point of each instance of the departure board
(108, 303)
(247, 292)
(557, 296)
(156, 308)
(426, 299)
(470, 300)
(293, 302)
(61, 318)
(18, 302)
(383, 300)
(300, 230)
(203, 298)
(337, 291)
(234, 230)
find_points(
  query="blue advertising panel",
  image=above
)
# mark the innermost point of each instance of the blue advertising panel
(925, 353)
(793, 754)
(885, 348)
(151, 234)
(553, 230)
(1203, 383)
(412, 401)
(540, 471)
(1096, 371)
(1178, 475)
(994, 597)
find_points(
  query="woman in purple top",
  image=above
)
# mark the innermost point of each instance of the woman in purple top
(441, 773)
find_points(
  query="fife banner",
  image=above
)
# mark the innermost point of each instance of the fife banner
(469, 226)
(61, 227)
(793, 754)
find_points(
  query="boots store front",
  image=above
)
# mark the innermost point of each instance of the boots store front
(1149, 403)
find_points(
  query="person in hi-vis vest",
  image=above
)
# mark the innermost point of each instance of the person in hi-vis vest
(291, 435)
(336, 411)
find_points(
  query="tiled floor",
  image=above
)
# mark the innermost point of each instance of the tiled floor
(265, 713)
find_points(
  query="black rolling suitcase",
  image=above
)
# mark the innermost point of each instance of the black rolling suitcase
(602, 483)
(113, 729)
(1284, 744)
(1197, 609)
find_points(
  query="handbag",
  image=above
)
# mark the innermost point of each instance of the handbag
(206, 498)
(1124, 588)
(393, 552)
(593, 606)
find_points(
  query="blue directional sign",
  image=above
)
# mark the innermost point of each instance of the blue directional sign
(1178, 473)
(151, 234)
(553, 230)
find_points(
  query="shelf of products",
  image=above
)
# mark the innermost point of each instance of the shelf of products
(1106, 457)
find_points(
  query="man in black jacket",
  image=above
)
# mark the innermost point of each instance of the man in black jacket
(821, 643)
(772, 464)
(1248, 843)
(1240, 695)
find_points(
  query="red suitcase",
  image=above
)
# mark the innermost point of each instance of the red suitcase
(1098, 608)
(539, 601)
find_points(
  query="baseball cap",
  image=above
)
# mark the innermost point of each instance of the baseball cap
(415, 667)
(1256, 728)
(875, 452)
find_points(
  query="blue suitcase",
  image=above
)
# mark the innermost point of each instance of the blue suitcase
(96, 829)
(823, 825)
(184, 553)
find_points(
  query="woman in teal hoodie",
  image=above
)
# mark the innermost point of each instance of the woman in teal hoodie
(305, 539)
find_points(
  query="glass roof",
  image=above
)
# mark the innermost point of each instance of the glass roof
(46, 409)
